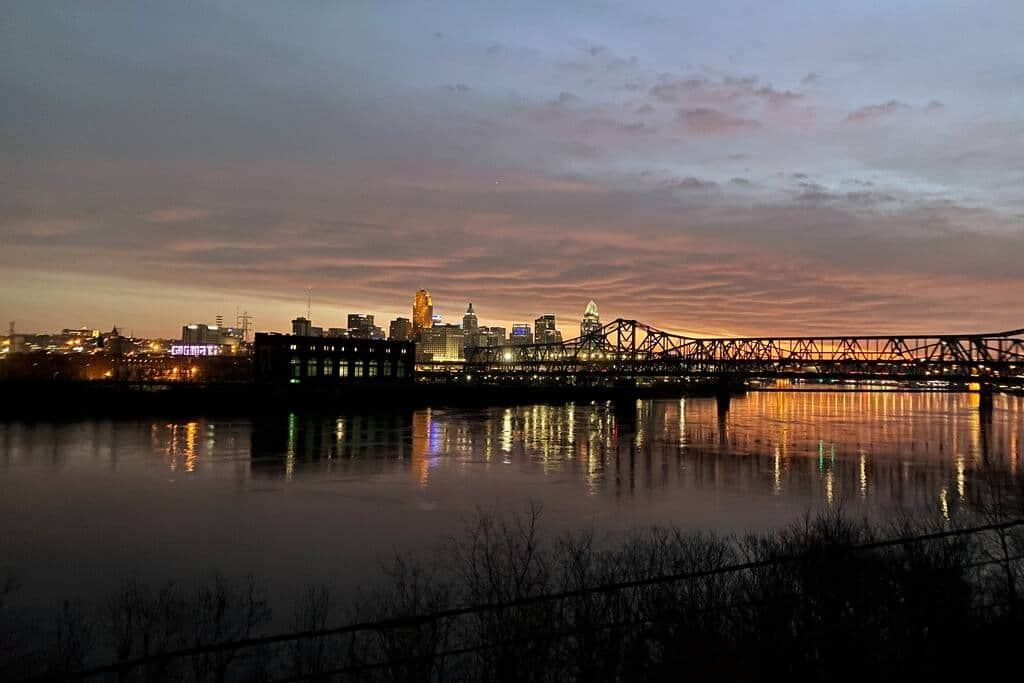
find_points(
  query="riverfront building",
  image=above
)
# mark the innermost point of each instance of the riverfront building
(442, 343)
(296, 359)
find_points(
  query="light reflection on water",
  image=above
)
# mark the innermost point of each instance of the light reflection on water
(293, 495)
(916, 449)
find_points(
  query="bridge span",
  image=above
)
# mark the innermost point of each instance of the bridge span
(628, 350)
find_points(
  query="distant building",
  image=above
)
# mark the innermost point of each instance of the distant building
(471, 326)
(591, 321)
(320, 360)
(201, 334)
(338, 332)
(493, 335)
(442, 343)
(400, 329)
(469, 321)
(302, 327)
(422, 312)
(360, 326)
(544, 330)
(521, 334)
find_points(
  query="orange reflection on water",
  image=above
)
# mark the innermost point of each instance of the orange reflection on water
(823, 447)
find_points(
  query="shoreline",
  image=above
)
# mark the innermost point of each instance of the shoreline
(46, 399)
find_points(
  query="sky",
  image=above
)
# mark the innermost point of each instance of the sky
(707, 167)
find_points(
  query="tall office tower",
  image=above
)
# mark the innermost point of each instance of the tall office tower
(544, 331)
(301, 327)
(490, 336)
(469, 321)
(591, 320)
(422, 312)
(471, 327)
(360, 326)
(400, 330)
(359, 321)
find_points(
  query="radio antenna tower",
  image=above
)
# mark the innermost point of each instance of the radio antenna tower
(309, 294)
(245, 324)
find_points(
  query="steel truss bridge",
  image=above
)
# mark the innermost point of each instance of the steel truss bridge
(626, 349)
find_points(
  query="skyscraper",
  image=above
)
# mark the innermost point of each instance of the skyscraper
(422, 312)
(360, 326)
(301, 327)
(469, 321)
(544, 331)
(591, 320)
(400, 330)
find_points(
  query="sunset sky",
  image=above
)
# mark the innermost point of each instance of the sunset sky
(710, 167)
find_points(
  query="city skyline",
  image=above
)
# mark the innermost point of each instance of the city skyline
(768, 170)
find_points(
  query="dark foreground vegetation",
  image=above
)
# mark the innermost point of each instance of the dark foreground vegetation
(829, 598)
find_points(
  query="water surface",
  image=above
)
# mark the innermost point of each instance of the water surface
(304, 498)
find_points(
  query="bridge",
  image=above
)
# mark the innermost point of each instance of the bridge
(625, 350)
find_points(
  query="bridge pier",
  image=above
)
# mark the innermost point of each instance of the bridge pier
(985, 396)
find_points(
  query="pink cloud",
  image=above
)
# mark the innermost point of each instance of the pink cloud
(705, 121)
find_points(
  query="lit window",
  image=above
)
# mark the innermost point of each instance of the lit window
(311, 368)
(342, 369)
(328, 367)
(372, 367)
(294, 347)
(296, 367)
(400, 369)
(386, 367)
(358, 369)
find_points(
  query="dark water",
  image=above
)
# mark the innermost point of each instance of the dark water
(303, 498)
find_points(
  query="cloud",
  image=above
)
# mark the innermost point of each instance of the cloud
(175, 214)
(812, 78)
(705, 121)
(691, 183)
(457, 87)
(777, 98)
(813, 192)
(934, 106)
(877, 111)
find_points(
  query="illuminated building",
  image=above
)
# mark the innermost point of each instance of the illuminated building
(441, 343)
(286, 358)
(544, 330)
(469, 321)
(521, 334)
(199, 333)
(360, 326)
(492, 336)
(400, 330)
(591, 320)
(471, 326)
(422, 312)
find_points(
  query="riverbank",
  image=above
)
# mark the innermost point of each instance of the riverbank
(837, 598)
(44, 399)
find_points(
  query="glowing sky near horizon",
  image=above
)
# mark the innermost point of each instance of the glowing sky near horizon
(719, 167)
